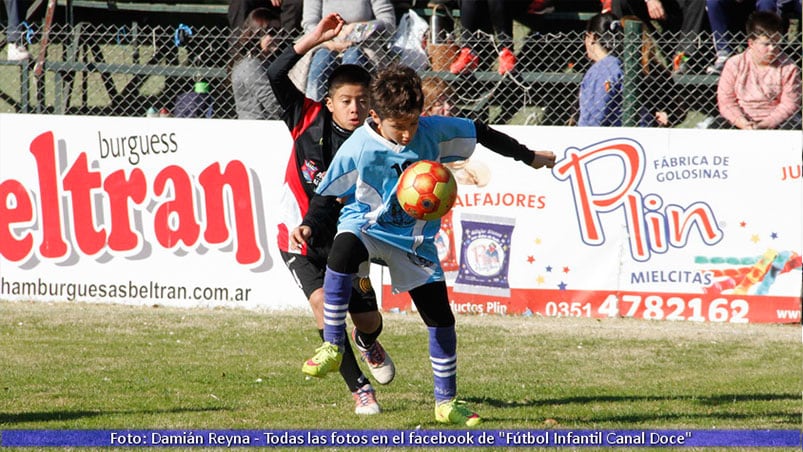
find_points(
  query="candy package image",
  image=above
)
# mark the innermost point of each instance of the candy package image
(484, 256)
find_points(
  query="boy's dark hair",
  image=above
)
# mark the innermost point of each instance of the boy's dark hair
(396, 92)
(348, 74)
(607, 28)
(763, 23)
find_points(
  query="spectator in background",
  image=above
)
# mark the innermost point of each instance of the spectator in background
(365, 19)
(289, 11)
(493, 18)
(726, 17)
(252, 53)
(438, 97)
(760, 87)
(439, 101)
(601, 88)
(729, 16)
(16, 48)
(686, 17)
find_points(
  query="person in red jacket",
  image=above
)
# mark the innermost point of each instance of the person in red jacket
(318, 129)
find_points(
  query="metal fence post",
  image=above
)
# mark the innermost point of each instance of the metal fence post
(631, 61)
(25, 87)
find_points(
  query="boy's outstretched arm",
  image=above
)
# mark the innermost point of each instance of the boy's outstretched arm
(506, 145)
(327, 28)
(288, 96)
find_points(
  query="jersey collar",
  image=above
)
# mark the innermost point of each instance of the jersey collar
(369, 125)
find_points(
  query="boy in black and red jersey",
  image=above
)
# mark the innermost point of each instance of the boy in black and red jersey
(318, 129)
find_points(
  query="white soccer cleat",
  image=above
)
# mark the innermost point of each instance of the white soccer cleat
(378, 360)
(365, 400)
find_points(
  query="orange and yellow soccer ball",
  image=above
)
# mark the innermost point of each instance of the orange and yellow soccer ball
(426, 190)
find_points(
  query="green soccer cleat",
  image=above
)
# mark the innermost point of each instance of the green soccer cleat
(327, 359)
(455, 412)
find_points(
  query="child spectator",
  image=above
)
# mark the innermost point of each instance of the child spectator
(601, 88)
(439, 101)
(253, 96)
(438, 97)
(760, 87)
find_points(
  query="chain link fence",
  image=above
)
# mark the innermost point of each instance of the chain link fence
(132, 70)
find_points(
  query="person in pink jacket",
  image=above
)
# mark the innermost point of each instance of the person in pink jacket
(760, 87)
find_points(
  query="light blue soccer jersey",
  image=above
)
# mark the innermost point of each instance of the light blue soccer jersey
(366, 170)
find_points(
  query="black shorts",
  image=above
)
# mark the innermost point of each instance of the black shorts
(308, 271)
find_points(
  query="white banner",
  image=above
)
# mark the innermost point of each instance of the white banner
(140, 210)
(650, 223)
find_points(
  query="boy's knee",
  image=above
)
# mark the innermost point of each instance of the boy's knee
(347, 253)
(367, 322)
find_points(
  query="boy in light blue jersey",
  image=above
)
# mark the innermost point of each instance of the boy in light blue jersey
(373, 227)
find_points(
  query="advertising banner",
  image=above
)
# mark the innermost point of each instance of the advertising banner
(697, 225)
(173, 212)
(693, 225)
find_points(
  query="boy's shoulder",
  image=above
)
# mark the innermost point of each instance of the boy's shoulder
(435, 122)
(445, 126)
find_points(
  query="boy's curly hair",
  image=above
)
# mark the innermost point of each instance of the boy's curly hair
(396, 92)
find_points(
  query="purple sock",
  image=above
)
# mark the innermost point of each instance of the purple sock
(443, 356)
(336, 292)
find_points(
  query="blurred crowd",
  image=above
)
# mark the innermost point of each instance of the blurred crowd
(758, 85)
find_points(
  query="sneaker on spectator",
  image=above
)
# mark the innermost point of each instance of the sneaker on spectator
(680, 64)
(17, 53)
(541, 7)
(466, 61)
(719, 62)
(606, 6)
(365, 400)
(507, 61)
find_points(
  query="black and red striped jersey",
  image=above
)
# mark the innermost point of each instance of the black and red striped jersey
(316, 137)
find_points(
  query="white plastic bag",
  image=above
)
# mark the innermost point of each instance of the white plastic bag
(409, 40)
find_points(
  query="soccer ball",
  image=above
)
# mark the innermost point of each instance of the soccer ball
(426, 190)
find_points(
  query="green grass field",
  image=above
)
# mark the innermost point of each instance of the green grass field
(87, 366)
